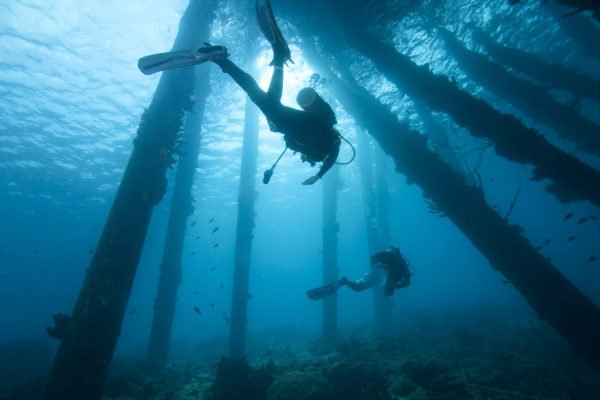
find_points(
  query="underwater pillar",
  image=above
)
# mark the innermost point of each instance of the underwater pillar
(244, 233)
(571, 178)
(556, 75)
(382, 203)
(534, 100)
(245, 219)
(89, 337)
(376, 238)
(181, 208)
(330, 256)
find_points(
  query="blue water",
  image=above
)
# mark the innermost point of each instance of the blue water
(71, 98)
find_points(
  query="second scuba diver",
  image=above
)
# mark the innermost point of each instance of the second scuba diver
(309, 132)
(389, 269)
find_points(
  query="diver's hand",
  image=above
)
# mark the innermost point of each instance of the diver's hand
(311, 180)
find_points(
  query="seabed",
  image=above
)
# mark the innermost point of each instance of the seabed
(483, 359)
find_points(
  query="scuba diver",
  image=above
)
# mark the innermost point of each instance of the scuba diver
(309, 132)
(389, 269)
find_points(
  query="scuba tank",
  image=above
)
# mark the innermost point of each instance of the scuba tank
(312, 103)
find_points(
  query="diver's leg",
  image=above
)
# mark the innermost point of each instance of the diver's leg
(247, 83)
(356, 286)
(324, 291)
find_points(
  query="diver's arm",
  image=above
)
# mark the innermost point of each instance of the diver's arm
(327, 163)
(404, 282)
(329, 160)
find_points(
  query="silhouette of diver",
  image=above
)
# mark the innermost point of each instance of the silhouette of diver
(309, 132)
(388, 269)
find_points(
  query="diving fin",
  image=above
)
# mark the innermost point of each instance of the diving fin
(269, 28)
(324, 291)
(180, 58)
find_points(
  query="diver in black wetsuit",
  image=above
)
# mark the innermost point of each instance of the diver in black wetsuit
(309, 132)
(389, 269)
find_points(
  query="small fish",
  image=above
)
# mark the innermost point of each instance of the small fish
(211, 220)
(193, 252)
(222, 285)
(491, 179)
(226, 320)
(568, 216)
(213, 268)
(197, 310)
(212, 305)
(131, 312)
(539, 248)
(593, 217)
(592, 259)
(571, 238)
(547, 242)
(193, 223)
(582, 220)
(197, 237)
(216, 245)
(2, 276)
(505, 282)
(91, 251)
(216, 229)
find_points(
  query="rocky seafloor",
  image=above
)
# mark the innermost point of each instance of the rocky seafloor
(493, 359)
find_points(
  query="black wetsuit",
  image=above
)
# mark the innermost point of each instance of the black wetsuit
(303, 132)
(398, 272)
